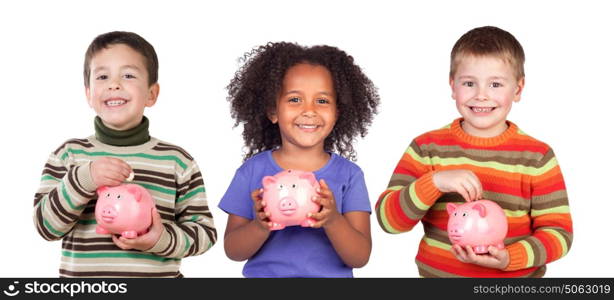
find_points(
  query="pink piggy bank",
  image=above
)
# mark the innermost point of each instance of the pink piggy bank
(123, 209)
(288, 198)
(478, 224)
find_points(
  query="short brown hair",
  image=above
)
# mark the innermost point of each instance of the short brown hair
(129, 39)
(489, 41)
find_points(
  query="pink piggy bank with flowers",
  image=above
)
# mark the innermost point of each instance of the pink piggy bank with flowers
(478, 224)
(288, 198)
(124, 209)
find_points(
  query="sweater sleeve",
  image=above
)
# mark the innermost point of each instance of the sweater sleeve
(410, 192)
(193, 231)
(63, 193)
(550, 219)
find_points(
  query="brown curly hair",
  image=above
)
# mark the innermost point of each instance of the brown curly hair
(254, 90)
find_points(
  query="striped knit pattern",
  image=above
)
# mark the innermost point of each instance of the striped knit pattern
(65, 201)
(518, 172)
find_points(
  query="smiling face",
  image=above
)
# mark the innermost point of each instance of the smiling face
(118, 87)
(306, 107)
(484, 88)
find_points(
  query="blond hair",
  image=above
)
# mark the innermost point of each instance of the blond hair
(488, 41)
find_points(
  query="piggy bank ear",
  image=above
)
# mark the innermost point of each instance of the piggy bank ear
(480, 208)
(451, 207)
(309, 177)
(101, 190)
(134, 191)
(268, 180)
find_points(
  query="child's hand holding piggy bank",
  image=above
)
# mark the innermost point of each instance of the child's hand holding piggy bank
(124, 209)
(288, 198)
(478, 224)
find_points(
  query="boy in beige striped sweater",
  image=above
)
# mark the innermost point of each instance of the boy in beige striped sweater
(120, 73)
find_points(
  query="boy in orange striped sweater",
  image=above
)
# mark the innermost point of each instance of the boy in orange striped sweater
(481, 155)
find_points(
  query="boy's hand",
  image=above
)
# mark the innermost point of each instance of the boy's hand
(109, 171)
(496, 258)
(328, 214)
(464, 182)
(262, 218)
(145, 241)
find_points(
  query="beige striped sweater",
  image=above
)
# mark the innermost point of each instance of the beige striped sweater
(65, 201)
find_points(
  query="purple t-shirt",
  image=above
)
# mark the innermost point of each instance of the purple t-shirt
(297, 251)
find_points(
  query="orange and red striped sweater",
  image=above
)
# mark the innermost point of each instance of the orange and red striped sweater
(517, 171)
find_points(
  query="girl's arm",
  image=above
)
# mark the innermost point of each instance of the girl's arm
(349, 233)
(351, 238)
(244, 237)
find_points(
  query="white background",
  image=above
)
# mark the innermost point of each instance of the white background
(403, 47)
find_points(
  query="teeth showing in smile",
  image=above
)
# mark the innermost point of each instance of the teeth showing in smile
(115, 102)
(482, 109)
(303, 126)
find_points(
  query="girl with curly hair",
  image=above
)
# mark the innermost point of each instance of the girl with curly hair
(301, 108)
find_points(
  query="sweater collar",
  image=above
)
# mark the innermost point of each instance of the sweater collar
(458, 131)
(131, 137)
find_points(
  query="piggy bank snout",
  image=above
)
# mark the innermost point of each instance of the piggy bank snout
(287, 206)
(108, 213)
(456, 229)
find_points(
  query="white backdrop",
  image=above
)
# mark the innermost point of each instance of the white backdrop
(403, 47)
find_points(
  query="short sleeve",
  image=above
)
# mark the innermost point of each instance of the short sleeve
(356, 196)
(237, 199)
